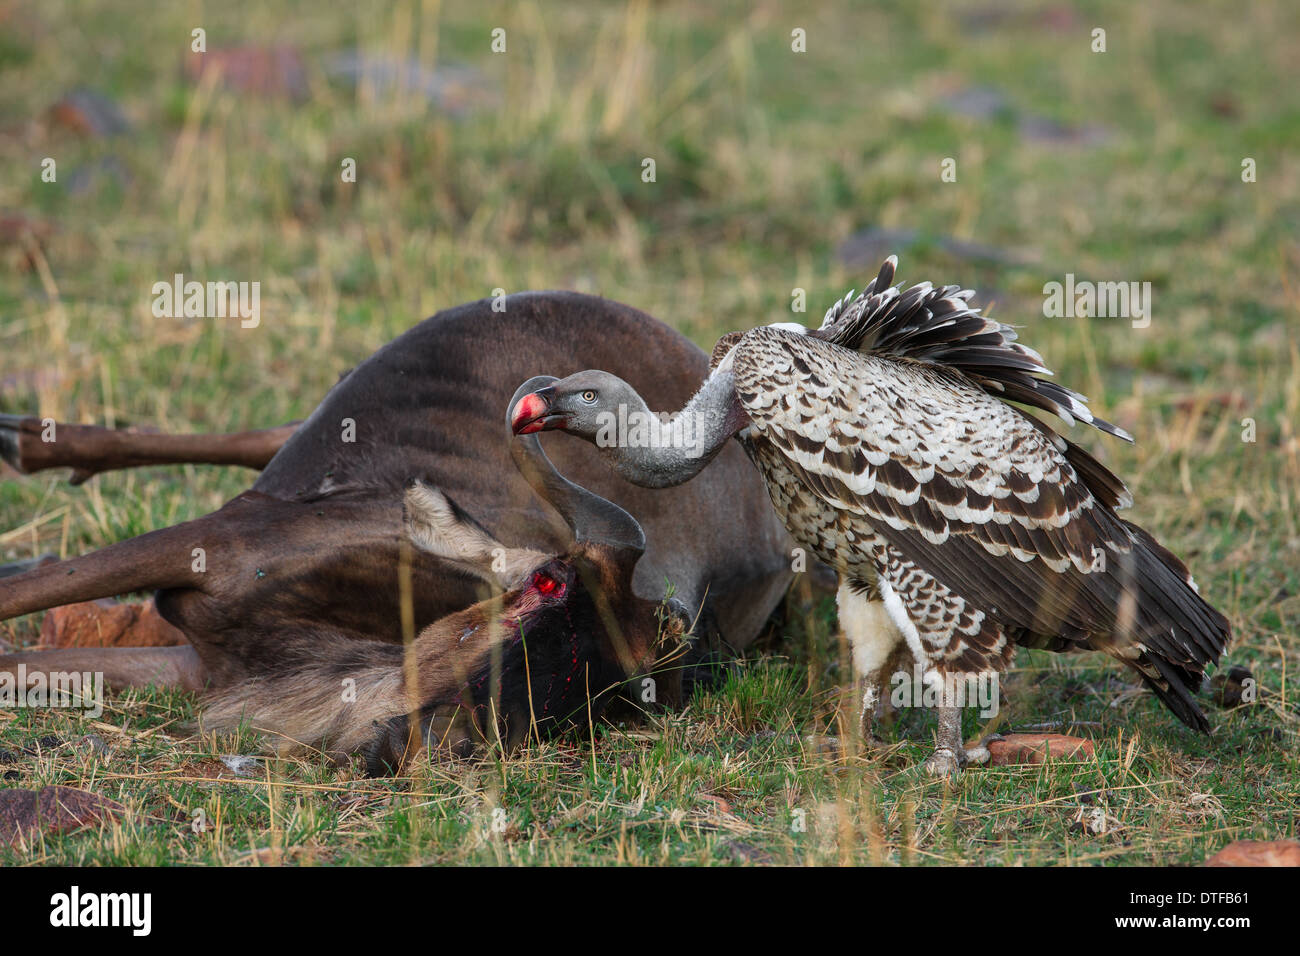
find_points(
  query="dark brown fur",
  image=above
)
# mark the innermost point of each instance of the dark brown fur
(494, 673)
(314, 547)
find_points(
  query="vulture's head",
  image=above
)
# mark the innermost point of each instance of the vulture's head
(650, 449)
(581, 405)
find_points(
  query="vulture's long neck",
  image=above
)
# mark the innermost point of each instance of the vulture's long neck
(667, 453)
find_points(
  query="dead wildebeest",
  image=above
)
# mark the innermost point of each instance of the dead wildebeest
(313, 560)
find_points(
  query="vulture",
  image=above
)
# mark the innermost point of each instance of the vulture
(960, 525)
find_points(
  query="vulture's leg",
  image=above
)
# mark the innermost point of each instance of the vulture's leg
(950, 754)
(874, 642)
(929, 616)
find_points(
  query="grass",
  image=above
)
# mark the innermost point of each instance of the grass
(765, 161)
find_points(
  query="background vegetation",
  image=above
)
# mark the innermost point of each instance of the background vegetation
(523, 170)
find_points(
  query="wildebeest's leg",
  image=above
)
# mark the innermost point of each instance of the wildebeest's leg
(158, 559)
(122, 667)
(32, 444)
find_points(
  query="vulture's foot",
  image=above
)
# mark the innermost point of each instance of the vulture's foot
(870, 731)
(979, 753)
(950, 755)
(945, 762)
(873, 716)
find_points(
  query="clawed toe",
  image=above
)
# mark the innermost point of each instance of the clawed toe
(943, 763)
(980, 752)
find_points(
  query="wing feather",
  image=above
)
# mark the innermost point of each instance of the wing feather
(987, 500)
(941, 327)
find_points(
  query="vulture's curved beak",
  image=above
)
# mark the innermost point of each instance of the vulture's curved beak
(532, 413)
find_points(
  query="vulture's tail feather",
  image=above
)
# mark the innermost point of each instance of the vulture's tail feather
(1180, 633)
(1176, 688)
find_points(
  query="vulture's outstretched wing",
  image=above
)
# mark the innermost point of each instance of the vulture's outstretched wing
(980, 497)
(941, 327)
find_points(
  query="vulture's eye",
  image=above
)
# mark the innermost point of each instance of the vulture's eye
(589, 396)
(547, 585)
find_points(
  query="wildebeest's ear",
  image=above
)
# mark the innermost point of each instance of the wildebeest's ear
(436, 524)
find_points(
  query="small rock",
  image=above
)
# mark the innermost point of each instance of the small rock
(87, 179)
(452, 88)
(1035, 748)
(869, 247)
(258, 70)
(719, 804)
(51, 810)
(1258, 853)
(41, 744)
(1229, 689)
(743, 852)
(89, 114)
(28, 236)
(984, 103)
(1087, 795)
(1044, 129)
(15, 228)
(977, 102)
(1225, 104)
(108, 624)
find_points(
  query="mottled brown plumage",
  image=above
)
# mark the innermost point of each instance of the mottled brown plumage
(908, 475)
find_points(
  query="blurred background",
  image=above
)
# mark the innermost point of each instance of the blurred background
(504, 146)
(792, 150)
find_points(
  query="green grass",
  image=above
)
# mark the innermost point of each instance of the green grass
(766, 160)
